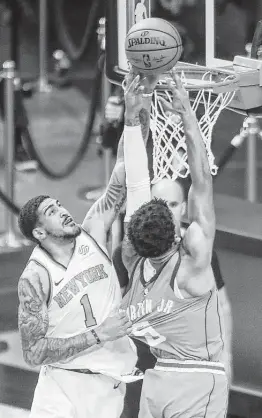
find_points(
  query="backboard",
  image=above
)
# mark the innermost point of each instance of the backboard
(122, 14)
(213, 31)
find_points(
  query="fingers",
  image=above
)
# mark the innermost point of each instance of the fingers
(129, 78)
(172, 87)
(125, 323)
(178, 82)
(122, 314)
(176, 79)
(177, 85)
(135, 86)
(128, 327)
(167, 107)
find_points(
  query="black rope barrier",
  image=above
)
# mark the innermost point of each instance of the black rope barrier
(9, 203)
(75, 52)
(72, 165)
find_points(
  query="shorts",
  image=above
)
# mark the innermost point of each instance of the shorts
(170, 394)
(63, 393)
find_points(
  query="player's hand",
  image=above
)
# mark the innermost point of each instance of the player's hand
(180, 104)
(133, 95)
(115, 326)
(149, 82)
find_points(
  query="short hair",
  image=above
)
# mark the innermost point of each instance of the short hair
(151, 229)
(28, 216)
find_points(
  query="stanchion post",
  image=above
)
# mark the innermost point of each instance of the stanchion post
(251, 166)
(106, 90)
(9, 68)
(43, 86)
(9, 240)
(105, 93)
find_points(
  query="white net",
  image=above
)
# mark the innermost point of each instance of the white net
(210, 91)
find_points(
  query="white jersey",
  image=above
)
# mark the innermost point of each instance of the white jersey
(82, 296)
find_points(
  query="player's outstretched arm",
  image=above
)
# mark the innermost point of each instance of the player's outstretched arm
(38, 349)
(104, 211)
(200, 234)
(136, 162)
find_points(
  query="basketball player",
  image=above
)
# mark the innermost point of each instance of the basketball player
(171, 296)
(140, 11)
(175, 193)
(69, 318)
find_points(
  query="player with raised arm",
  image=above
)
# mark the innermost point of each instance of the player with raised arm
(69, 318)
(171, 297)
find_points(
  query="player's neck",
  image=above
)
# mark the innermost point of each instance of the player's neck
(158, 261)
(61, 252)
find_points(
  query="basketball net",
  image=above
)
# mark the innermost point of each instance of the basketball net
(210, 91)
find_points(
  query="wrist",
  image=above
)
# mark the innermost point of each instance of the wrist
(99, 335)
(98, 340)
(188, 116)
(132, 118)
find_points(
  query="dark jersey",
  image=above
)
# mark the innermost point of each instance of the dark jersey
(122, 273)
(182, 329)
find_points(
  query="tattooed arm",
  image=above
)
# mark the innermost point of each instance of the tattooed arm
(144, 118)
(33, 321)
(104, 211)
(102, 214)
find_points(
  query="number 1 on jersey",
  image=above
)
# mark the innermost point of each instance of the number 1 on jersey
(90, 320)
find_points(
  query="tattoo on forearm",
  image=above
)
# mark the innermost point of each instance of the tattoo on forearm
(144, 117)
(132, 121)
(33, 325)
(121, 201)
(111, 201)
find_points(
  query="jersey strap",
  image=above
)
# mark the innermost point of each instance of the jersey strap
(132, 275)
(169, 365)
(173, 277)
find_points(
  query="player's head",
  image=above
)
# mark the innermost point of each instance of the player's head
(151, 229)
(175, 194)
(43, 218)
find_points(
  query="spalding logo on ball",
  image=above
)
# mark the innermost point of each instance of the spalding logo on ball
(153, 46)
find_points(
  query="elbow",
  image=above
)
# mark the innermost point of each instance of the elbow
(33, 359)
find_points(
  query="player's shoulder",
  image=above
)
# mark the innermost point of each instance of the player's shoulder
(95, 229)
(35, 276)
(196, 245)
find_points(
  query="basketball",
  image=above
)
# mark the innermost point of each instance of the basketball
(153, 46)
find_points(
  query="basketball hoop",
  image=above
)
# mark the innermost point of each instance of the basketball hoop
(210, 91)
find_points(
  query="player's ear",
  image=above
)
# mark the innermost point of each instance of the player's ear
(39, 233)
(177, 239)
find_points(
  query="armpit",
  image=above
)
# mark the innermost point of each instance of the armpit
(129, 255)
